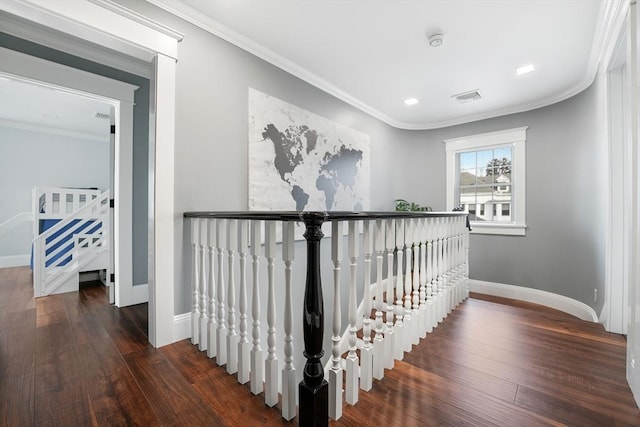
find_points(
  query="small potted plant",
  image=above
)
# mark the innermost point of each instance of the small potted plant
(404, 206)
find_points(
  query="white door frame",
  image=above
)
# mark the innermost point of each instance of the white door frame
(115, 27)
(19, 66)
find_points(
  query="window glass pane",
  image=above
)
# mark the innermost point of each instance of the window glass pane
(467, 196)
(483, 179)
(483, 194)
(484, 157)
(506, 212)
(502, 153)
(468, 177)
(468, 160)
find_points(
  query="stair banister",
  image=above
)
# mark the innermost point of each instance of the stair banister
(400, 329)
(389, 336)
(257, 365)
(313, 389)
(204, 298)
(366, 352)
(409, 240)
(289, 389)
(352, 362)
(243, 344)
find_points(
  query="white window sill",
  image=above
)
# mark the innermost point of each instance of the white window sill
(498, 228)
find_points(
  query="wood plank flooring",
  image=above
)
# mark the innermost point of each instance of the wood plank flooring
(74, 360)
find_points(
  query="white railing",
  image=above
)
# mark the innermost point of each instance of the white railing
(15, 222)
(73, 242)
(420, 267)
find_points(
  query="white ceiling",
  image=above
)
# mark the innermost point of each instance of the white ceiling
(375, 54)
(30, 106)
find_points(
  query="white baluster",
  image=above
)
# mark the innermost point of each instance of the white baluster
(440, 278)
(335, 373)
(366, 352)
(429, 289)
(232, 336)
(195, 311)
(243, 344)
(378, 342)
(415, 282)
(204, 300)
(446, 272)
(257, 357)
(289, 386)
(221, 332)
(271, 363)
(409, 324)
(466, 263)
(400, 330)
(389, 337)
(351, 387)
(423, 278)
(211, 287)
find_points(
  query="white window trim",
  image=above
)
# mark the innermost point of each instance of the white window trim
(516, 137)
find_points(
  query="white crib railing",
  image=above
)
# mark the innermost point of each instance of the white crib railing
(421, 270)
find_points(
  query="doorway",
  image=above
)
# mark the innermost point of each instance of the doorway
(119, 97)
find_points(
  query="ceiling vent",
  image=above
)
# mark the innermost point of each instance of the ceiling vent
(472, 95)
(102, 116)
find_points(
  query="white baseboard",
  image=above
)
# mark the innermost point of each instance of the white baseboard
(536, 296)
(140, 293)
(15, 261)
(181, 326)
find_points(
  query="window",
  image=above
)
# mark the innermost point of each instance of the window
(488, 171)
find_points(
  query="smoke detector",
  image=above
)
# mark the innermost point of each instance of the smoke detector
(472, 95)
(436, 40)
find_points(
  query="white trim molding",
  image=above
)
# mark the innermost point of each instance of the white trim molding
(50, 130)
(604, 28)
(140, 293)
(181, 326)
(15, 261)
(517, 138)
(108, 29)
(536, 296)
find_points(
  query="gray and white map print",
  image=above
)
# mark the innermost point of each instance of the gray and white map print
(301, 161)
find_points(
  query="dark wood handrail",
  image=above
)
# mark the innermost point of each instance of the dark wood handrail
(327, 216)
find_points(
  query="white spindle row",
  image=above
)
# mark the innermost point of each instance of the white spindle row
(420, 269)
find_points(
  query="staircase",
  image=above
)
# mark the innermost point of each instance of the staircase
(78, 241)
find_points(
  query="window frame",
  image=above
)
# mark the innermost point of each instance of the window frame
(515, 137)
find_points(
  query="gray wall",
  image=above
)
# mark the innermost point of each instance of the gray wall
(211, 172)
(140, 138)
(34, 159)
(564, 249)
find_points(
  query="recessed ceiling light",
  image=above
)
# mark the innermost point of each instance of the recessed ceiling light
(524, 69)
(411, 101)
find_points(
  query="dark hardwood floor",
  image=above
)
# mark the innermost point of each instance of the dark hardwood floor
(74, 360)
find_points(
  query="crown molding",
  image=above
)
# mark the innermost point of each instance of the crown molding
(139, 18)
(56, 40)
(609, 24)
(50, 130)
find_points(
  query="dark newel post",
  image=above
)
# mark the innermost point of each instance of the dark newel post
(314, 389)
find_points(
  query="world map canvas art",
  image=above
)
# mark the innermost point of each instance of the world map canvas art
(301, 161)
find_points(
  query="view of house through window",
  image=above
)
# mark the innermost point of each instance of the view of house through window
(485, 183)
(486, 177)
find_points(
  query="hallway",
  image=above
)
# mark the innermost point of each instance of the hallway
(74, 360)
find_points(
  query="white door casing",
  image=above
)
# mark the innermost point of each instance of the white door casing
(110, 25)
(120, 95)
